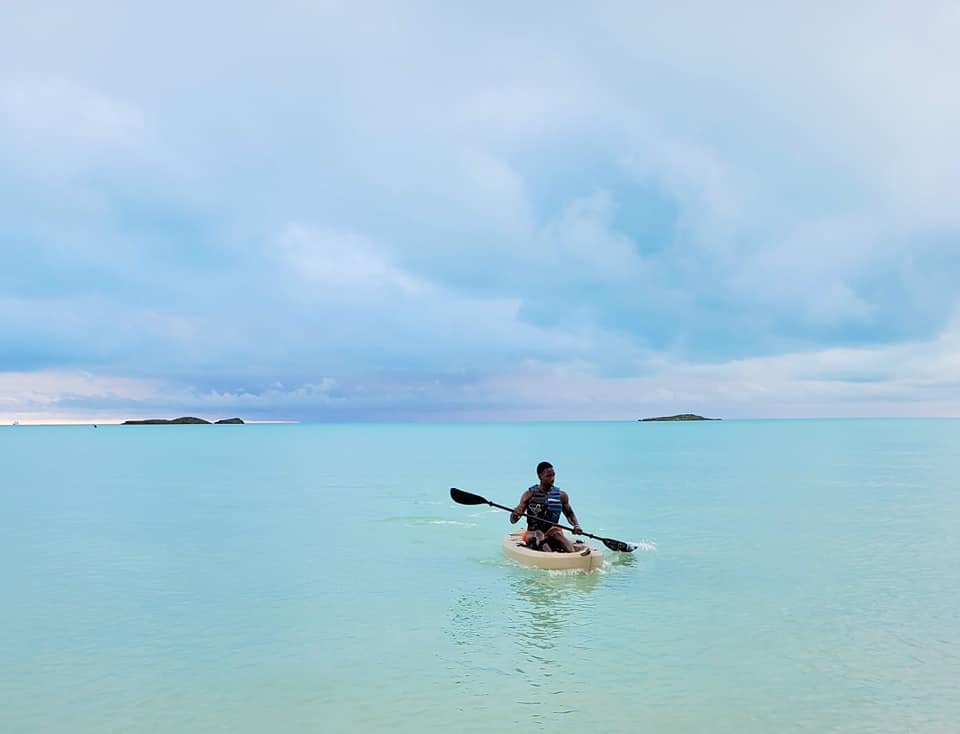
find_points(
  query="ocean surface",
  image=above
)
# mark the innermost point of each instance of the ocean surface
(318, 578)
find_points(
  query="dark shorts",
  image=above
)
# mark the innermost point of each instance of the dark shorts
(545, 532)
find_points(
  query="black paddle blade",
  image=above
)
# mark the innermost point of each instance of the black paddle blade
(619, 545)
(465, 498)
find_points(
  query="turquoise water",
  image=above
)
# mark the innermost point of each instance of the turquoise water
(297, 578)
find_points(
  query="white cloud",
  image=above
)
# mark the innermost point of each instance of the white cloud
(584, 241)
(74, 396)
(374, 309)
(344, 261)
(55, 127)
(41, 396)
(921, 378)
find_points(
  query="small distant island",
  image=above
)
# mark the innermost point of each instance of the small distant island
(681, 417)
(186, 420)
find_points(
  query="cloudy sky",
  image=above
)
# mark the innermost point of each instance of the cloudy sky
(484, 211)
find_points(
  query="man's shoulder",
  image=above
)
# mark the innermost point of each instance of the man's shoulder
(533, 487)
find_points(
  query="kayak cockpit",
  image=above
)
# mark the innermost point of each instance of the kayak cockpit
(584, 557)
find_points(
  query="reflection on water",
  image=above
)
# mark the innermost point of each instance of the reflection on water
(544, 604)
(528, 637)
(532, 616)
(546, 611)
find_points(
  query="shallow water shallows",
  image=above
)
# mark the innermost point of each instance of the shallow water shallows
(296, 578)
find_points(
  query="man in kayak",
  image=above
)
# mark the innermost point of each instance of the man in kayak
(545, 501)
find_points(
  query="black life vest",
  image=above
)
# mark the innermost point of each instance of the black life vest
(545, 508)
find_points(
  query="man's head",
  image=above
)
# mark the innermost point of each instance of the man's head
(546, 473)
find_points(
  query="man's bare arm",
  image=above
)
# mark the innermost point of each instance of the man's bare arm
(522, 507)
(569, 513)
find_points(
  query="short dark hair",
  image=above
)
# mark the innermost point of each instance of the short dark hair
(542, 467)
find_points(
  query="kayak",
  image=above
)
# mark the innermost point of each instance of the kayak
(584, 558)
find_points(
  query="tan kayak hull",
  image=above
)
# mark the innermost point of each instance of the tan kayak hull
(585, 558)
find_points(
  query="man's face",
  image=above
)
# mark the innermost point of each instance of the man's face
(548, 476)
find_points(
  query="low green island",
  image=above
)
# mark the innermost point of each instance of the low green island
(186, 420)
(680, 417)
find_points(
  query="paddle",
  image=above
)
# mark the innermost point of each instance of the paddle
(466, 498)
